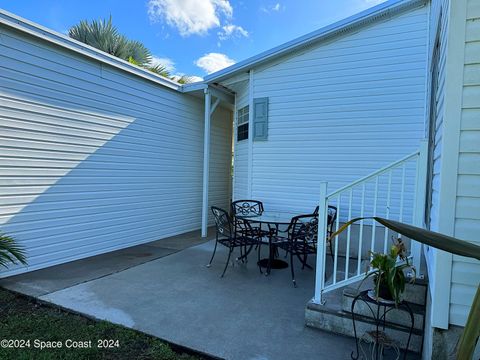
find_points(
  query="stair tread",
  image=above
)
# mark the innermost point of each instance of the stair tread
(389, 325)
(416, 308)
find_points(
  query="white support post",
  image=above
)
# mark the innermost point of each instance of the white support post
(321, 244)
(420, 197)
(206, 162)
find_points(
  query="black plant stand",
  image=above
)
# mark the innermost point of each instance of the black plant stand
(377, 337)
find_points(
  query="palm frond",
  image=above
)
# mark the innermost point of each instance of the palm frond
(427, 237)
(10, 252)
(138, 51)
(184, 79)
(159, 70)
(103, 35)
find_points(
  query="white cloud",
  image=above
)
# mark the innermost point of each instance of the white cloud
(192, 78)
(190, 16)
(231, 30)
(195, 78)
(167, 63)
(277, 7)
(213, 62)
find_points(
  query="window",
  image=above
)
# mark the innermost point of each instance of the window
(242, 124)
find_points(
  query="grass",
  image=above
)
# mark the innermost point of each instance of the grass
(23, 318)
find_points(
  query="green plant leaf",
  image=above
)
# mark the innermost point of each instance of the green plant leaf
(10, 252)
(471, 332)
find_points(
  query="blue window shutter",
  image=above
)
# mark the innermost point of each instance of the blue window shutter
(260, 119)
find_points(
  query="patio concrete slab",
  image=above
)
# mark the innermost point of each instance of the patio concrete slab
(182, 241)
(244, 315)
(41, 282)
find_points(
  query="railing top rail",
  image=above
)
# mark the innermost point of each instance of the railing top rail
(374, 174)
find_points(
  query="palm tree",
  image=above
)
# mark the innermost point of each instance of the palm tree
(10, 252)
(103, 35)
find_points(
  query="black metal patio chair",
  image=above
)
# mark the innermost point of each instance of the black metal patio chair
(250, 208)
(242, 237)
(331, 217)
(247, 208)
(301, 240)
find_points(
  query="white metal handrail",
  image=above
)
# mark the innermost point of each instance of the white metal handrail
(375, 173)
(394, 191)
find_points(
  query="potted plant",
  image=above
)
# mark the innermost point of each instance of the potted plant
(471, 332)
(388, 272)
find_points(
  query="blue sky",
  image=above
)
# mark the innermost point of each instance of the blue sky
(196, 37)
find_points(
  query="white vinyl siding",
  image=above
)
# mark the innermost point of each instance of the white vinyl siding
(466, 272)
(438, 8)
(241, 150)
(438, 31)
(340, 110)
(94, 159)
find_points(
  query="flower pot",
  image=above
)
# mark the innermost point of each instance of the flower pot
(384, 292)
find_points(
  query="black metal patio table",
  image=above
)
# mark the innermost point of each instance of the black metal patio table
(273, 219)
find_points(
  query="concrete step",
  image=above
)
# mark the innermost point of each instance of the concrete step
(395, 316)
(416, 293)
(335, 316)
(340, 322)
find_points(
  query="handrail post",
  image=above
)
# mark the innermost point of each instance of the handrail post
(321, 243)
(419, 207)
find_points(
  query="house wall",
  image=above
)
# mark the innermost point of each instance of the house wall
(241, 149)
(338, 111)
(465, 271)
(438, 263)
(93, 158)
(456, 209)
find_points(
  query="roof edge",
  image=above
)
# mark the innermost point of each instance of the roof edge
(44, 33)
(365, 17)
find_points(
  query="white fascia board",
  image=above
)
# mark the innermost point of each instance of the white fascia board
(186, 88)
(365, 17)
(26, 26)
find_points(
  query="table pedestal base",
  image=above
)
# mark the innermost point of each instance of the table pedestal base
(275, 264)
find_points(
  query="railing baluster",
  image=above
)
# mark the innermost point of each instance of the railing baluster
(347, 251)
(392, 206)
(375, 195)
(337, 225)
(387, 215)
(402, 193)
(360, 234)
